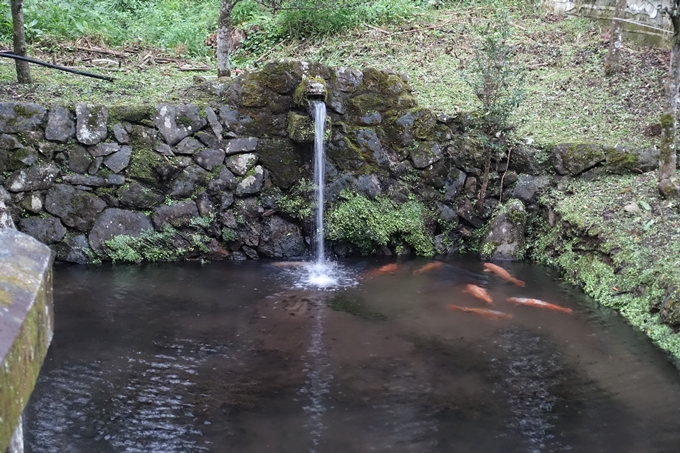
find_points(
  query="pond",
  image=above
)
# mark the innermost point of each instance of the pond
(243, 357)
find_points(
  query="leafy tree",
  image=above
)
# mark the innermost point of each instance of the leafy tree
(498, 85)
(668, 185)
(23, 71)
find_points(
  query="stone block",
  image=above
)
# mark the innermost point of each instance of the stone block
(26, 322)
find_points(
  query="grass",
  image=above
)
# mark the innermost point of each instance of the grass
(567, 97)
(620, 242)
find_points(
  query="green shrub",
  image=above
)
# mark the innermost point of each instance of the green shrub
(368, 224)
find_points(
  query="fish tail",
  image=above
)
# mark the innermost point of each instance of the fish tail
(518, 282)
(454, 307)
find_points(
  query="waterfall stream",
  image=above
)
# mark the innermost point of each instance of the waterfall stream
(319, 112)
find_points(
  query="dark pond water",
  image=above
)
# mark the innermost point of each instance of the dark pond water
(237, 357)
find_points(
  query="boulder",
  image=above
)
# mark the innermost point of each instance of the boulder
(504, 235)
(74, 249)
(369, 185)
(119, 160)
(91, 123)
(209, 139)
(104, 149)
(76, 208)
(468, 214)
(622, 160)
(6, 220)
(37, 177)
(21, 158)
(60, 125)
(115, 222)
(177, 214)
(284, 160)
(84, 180)
(188, 146)
(138, 196)
(455, 181)
(241, 145)
(209, 158)
(79, 160)
(240, 164)
(48, 230)
(370, 144)
(251, 184)
(188, 181)
(224, 181)
(425, 154)
(573, 159)
(214, 123)
(528, 187)
(32, 202)
(281, 239)
(121, 134)
(178, 122)
(18, 116)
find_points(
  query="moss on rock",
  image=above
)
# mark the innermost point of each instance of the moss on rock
(367, 224)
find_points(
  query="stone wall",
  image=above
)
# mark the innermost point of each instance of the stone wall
(26, 325)
(230, 177)
(643, 20)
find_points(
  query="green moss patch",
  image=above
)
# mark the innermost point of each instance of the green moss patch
(368, 224)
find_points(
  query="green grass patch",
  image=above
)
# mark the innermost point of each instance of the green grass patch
(620, 242)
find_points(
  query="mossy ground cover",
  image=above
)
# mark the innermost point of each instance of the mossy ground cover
(615, 237)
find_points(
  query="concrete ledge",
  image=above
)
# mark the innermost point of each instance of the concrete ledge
(26, 322)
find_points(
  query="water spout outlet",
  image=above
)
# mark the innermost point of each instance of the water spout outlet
(312, 89)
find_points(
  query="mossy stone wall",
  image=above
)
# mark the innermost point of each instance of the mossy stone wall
(26, 322)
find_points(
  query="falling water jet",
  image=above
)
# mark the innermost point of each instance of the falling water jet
(319, 113)
(319, 271)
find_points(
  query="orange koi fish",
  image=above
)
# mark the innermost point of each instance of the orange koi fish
(386, 269)
(479, 293)
(538, 303)
(502, 273)
(429, 267)
(493, 314)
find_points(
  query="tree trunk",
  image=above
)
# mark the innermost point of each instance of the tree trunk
(485, 183)
(23, 70)
(223, 28)
(668, 183)
(616, 39)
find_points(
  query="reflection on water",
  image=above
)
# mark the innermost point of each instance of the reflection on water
(246, 357)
